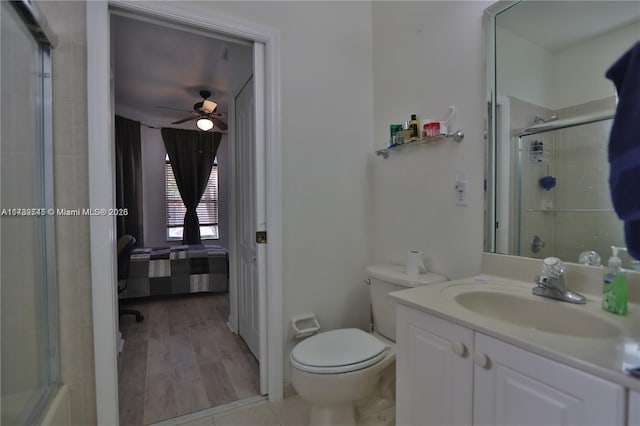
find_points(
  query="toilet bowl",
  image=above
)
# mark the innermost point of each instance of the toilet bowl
(336, 368)
(333, 369)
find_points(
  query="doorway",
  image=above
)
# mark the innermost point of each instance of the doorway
(267, 144)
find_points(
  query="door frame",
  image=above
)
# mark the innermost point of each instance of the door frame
(102, 188)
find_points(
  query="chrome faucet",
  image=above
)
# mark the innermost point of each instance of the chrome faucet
(551, 283)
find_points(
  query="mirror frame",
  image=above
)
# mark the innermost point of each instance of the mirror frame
(489, 114)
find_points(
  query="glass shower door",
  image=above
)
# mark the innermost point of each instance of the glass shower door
(28, 320)
(564, 204)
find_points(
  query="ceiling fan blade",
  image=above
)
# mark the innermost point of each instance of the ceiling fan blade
(221, 124)
(184, 120)
(173, 109)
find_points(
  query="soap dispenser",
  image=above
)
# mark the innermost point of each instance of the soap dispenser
(614, 290)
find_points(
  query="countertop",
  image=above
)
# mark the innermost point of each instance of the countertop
(606, 357)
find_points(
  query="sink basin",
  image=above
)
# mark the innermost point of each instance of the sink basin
(540, 314)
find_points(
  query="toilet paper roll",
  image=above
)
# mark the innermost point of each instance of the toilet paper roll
(414, 264)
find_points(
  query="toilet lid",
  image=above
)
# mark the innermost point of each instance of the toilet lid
(337, 351)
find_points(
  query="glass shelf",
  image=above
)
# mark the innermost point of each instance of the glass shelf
(457, 136)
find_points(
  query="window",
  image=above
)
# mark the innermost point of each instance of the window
(207, 209)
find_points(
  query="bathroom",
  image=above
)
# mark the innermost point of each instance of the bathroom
(340, 89)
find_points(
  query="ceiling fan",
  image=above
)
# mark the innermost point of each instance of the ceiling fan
(205, 112)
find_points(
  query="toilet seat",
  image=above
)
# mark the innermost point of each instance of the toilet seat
(338, 351)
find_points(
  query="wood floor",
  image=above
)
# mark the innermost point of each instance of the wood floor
(182, 358)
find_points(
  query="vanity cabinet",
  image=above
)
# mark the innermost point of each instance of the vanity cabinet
(450, 375)
(513, 386)
(434, 373)
(634, 408)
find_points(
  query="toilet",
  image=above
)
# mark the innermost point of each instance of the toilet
(333, 369)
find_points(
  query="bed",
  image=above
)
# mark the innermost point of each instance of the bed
(183, 269)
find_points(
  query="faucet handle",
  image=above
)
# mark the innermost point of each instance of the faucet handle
(553, 267)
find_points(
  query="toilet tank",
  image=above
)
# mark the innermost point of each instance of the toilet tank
(385, 279)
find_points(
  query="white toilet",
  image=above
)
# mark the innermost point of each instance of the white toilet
(333, 369)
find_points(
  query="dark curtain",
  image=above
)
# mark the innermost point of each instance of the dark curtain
(191, 154)
(129, 178)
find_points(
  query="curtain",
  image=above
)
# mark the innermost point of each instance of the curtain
(129, 178)
(191, 154)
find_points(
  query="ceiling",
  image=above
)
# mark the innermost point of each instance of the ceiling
(557, 25)
(162, 66)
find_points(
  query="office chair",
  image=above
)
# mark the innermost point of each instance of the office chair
(125, 247)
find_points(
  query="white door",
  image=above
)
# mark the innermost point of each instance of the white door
(247, 253)
(515, 387)
(434, 371)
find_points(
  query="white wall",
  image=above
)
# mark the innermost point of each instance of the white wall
(578, 72)
(561, 79)
(427, 56)
(524, 69)
(327, 132)
(154, 206)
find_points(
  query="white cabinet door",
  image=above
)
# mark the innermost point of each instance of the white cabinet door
(634, 408)
(515, 387)
(434, 370)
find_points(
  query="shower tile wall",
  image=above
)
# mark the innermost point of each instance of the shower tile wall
(71, 187)
(577, 157)
(581, 155)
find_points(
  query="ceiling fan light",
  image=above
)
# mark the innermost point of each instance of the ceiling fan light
(204, 124)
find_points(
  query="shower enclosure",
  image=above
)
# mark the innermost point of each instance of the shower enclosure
(561, 187)
(29, 375)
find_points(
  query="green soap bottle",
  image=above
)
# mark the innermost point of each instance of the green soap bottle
(614, 290)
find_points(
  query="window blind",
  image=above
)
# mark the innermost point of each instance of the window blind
(207, 209)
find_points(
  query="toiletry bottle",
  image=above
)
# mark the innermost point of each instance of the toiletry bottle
(408, 131)
(415, 132)
(614, 290)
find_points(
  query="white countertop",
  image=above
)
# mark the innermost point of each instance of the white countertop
(606, 357)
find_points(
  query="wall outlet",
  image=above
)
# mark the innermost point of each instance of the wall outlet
(461, 192)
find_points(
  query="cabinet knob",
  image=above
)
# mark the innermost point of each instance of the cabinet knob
(481, 360)
(459, 349)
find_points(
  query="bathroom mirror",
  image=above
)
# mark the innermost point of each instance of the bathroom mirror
(548, 116)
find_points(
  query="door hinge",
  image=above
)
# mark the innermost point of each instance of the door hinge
(261, 237)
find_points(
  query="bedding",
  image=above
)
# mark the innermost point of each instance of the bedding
(180, 269)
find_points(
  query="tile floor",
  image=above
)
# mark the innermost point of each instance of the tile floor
(375, 410)
(181, 359)
(292, 411)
